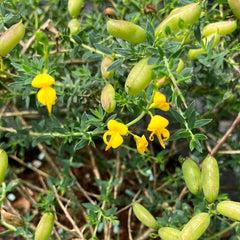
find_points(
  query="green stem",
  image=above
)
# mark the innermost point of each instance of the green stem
(2, 65)
(223, 231)
(174, 81)
(136, 119)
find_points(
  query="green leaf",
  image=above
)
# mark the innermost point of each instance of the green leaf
(110, 211)
(182, 133)
(201, 123)
(195, 144)
(200, 136)
(103, 49)
(90, 206)
(80, 145)
(176, 115)
(116, 64)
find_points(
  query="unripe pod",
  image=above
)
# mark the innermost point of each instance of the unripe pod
(3, 164)
(106, 62)
(194, 229)
(10, 38)
(139, 77)
(210, 178)
(108, 98)
(222, 28)
(180, 66)
(44, 227)
(235, 6)
(229, 209)
(168, 233)
(189, 14)
(126, 31)
(144, 216)
(74, 26)
(192, 176)
(192, 53)
(74, 7)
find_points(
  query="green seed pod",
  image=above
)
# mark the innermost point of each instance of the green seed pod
(235, 7)
(108, 98)
(222, 28)
(192, 176)
(44, 227)
(106, 62)
(192, 53)
(168, 233)
(229, 209)
(180, 66)
(74, 7)
(189, 14)
(144, 216)
(74, 26)
(3, 164)
(194, 229)
(210, 178)
(10, 38)
(139, 77)
(126, 31)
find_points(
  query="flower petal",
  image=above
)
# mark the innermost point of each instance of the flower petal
(46, 96)
(157, 122)
(42, 80)
(118, 127)
(141, 143)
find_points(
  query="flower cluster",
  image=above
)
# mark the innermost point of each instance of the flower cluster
(46, 95)
(157, 126)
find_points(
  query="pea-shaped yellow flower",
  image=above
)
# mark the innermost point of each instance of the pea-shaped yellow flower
(158, 126)
(159, 101)
(141, 143)
(116, 129)
(46, 95)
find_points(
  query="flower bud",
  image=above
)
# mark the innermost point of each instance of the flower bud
(161, 81)
(194, 229)
(210, 178)
(44, 227)
(144, 216)
(127, 31)
(192, 176)
(109, 12)
(74, 7)
(106, 62)
(108, 98)
(10, 38)
(3, 164)
(139, 77)
(74, 26)
(12, 219)
(229, 209)
(168, 233)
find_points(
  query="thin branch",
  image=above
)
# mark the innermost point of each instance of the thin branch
(226, 135)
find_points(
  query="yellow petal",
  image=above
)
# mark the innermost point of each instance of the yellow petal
(42, 80)
(105, 135)
(142, 144)
(46, 96)
(160, 102)
(115, 139)
(157, 122)
(115, 126)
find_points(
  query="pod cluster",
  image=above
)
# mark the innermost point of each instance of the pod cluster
(74, 9)
(207, 179)
(193, 230)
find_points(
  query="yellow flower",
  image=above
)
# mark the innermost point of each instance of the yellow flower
(159, 101)
(141, 143)
(46, 94)
(158, 126)
(42, 80)
(116, 129)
